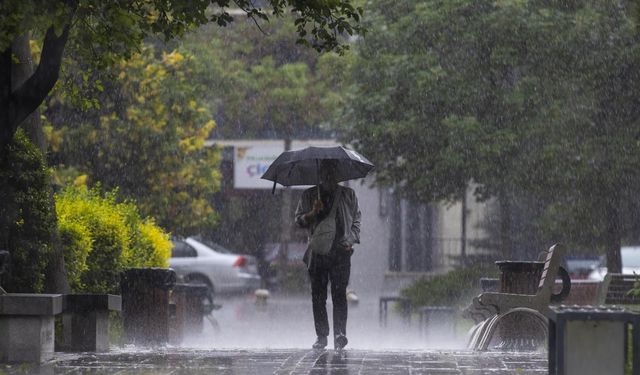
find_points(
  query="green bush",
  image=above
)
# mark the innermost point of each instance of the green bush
(26, 217)
(76, 242)
(455, 288)
(152, 247)
(102, 237)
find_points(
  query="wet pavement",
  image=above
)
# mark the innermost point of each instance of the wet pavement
(192, 361)
(251, 339)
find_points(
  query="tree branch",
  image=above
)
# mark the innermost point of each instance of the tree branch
(26, 98)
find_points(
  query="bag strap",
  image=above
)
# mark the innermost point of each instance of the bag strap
(336, 200)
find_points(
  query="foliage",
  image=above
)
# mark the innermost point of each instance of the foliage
(259, 86)
(455, 288)
(26, 220)
(147, 139)
(77, 243)
(100, 34)
(102, 237)
(107, 31)
(524, 99)
(292, 92)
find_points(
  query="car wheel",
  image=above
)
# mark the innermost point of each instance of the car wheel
(199, 279)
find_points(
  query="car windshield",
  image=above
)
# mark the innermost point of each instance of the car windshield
(630, 257)
(214, 246)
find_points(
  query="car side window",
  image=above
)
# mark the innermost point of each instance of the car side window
(182, 249)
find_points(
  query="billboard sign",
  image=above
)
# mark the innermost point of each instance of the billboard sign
(250, 162)
(252, 158)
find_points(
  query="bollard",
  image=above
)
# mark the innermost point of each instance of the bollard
(262, 295)
(352, 298)
(145, 304)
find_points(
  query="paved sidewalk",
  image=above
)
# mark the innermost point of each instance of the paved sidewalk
(190, 361)
(273, 340)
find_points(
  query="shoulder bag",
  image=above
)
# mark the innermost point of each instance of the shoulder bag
(325, 232)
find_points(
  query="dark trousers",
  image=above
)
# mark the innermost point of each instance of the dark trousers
(335, 269)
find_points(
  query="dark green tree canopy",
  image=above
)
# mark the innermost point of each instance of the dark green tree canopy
(531, 99)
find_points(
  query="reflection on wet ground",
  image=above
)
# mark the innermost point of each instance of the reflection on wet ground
(190, 361)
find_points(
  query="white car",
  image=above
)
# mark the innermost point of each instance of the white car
(630, 263)
(211, 264)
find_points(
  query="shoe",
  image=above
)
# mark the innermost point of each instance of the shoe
(320, 343)
(340, 342)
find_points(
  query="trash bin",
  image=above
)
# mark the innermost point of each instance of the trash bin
(145, 304)
(588, 340)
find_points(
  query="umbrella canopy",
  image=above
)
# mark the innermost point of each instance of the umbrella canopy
(301, 167)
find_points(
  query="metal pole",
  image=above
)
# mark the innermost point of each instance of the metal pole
(463, 230)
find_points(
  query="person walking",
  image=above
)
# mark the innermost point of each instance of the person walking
(330, 201)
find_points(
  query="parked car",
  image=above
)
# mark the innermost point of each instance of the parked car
(214, 265)
(580, 266)
(630, 263)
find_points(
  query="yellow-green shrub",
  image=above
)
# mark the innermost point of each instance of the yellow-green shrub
(119, 238)
(76, 242)
(152, 247)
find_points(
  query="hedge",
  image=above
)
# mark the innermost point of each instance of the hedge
(101, 237)
(455, 288)
(26, 215)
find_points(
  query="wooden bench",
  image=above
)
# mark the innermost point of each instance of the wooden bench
(616, 288)
(405, 309)
(495, 306)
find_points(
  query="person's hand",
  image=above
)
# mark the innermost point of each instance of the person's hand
(346, 246)
(317, 206)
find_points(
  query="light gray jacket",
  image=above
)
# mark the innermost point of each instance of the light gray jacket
(348, 210)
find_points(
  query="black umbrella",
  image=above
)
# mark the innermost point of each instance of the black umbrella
(301, 167)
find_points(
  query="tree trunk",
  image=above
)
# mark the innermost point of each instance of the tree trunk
(6, 133)
(17, 104)
(613, 237)
(55, 274)
(506, 244)
(21, 70)
(463, 230)
(395, 238)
